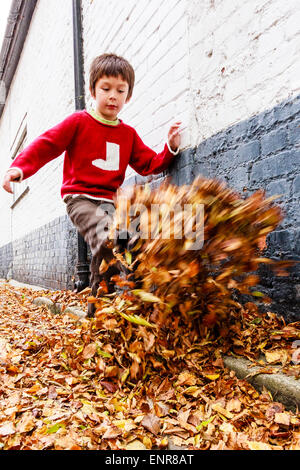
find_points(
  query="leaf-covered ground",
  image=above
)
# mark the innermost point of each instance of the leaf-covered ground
(69, 384)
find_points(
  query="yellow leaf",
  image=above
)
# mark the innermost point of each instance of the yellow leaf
(35, 388)
(191, 389)
(212, 376)
(255, 445)
(262, 345)
(124, 376)
(128, 257)
(164, 442)
(278, 355)
(103, 266)
(147, 442)
(146, 296)
(137, 320)
(219, 409)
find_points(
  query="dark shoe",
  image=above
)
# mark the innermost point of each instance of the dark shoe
(121, 241)
(91, 310)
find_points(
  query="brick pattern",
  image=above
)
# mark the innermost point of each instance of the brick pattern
(47, 256)
(6, 261)
(41, 95)
(217, 65)
(152, 35)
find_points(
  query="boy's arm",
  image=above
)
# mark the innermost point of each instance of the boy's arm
(44, 148)
(147, 162)
(12, 175)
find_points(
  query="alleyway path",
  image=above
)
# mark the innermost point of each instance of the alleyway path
(63, 386)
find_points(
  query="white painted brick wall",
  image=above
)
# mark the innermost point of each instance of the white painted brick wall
(43, 87)
(256, 43)
(209, 63)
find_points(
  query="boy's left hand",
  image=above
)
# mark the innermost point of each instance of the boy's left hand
(174, 136)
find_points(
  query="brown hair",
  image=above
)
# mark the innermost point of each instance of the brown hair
(111, 65)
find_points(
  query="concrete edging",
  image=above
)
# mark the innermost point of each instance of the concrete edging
(56, 308)
(283, 388)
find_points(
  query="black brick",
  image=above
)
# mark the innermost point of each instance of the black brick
(296, 185)
(248, 152)
(278, 187)
(287, 110)
(185, 158)
(239, 178)
(271, 143)
(294, 133)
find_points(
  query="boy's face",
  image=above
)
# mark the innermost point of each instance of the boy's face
(110, 96)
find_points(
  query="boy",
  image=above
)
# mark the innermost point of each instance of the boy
(98, 148)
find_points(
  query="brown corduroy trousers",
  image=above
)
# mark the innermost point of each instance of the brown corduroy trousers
(92, 219)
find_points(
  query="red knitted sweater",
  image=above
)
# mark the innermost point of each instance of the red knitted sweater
(96, 155)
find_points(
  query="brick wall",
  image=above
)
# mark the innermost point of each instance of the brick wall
(152, 35)
(261, 152)
(243, 59)
(47, 256)
(6, 261)
(41, 95)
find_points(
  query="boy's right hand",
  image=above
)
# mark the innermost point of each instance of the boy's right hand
(11, 175)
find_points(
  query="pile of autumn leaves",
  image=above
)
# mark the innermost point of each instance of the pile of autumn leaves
(176, 294)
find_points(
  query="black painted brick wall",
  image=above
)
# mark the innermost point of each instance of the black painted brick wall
(47, 256)
(6, 260)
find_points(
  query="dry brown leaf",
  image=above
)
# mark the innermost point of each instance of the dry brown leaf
(186, 378)
(112, 432)
(234, 405)
(152, 423)
(7, 429)
(26, 423)
(89, 351)
(254, 445)
(276, 356)
(283, 419)
(219, 409)
(135, 445)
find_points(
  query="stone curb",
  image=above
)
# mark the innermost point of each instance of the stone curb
(56, 308)
(44, 301)
(283, 388)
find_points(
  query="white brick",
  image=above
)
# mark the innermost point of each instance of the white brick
(43, 87)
